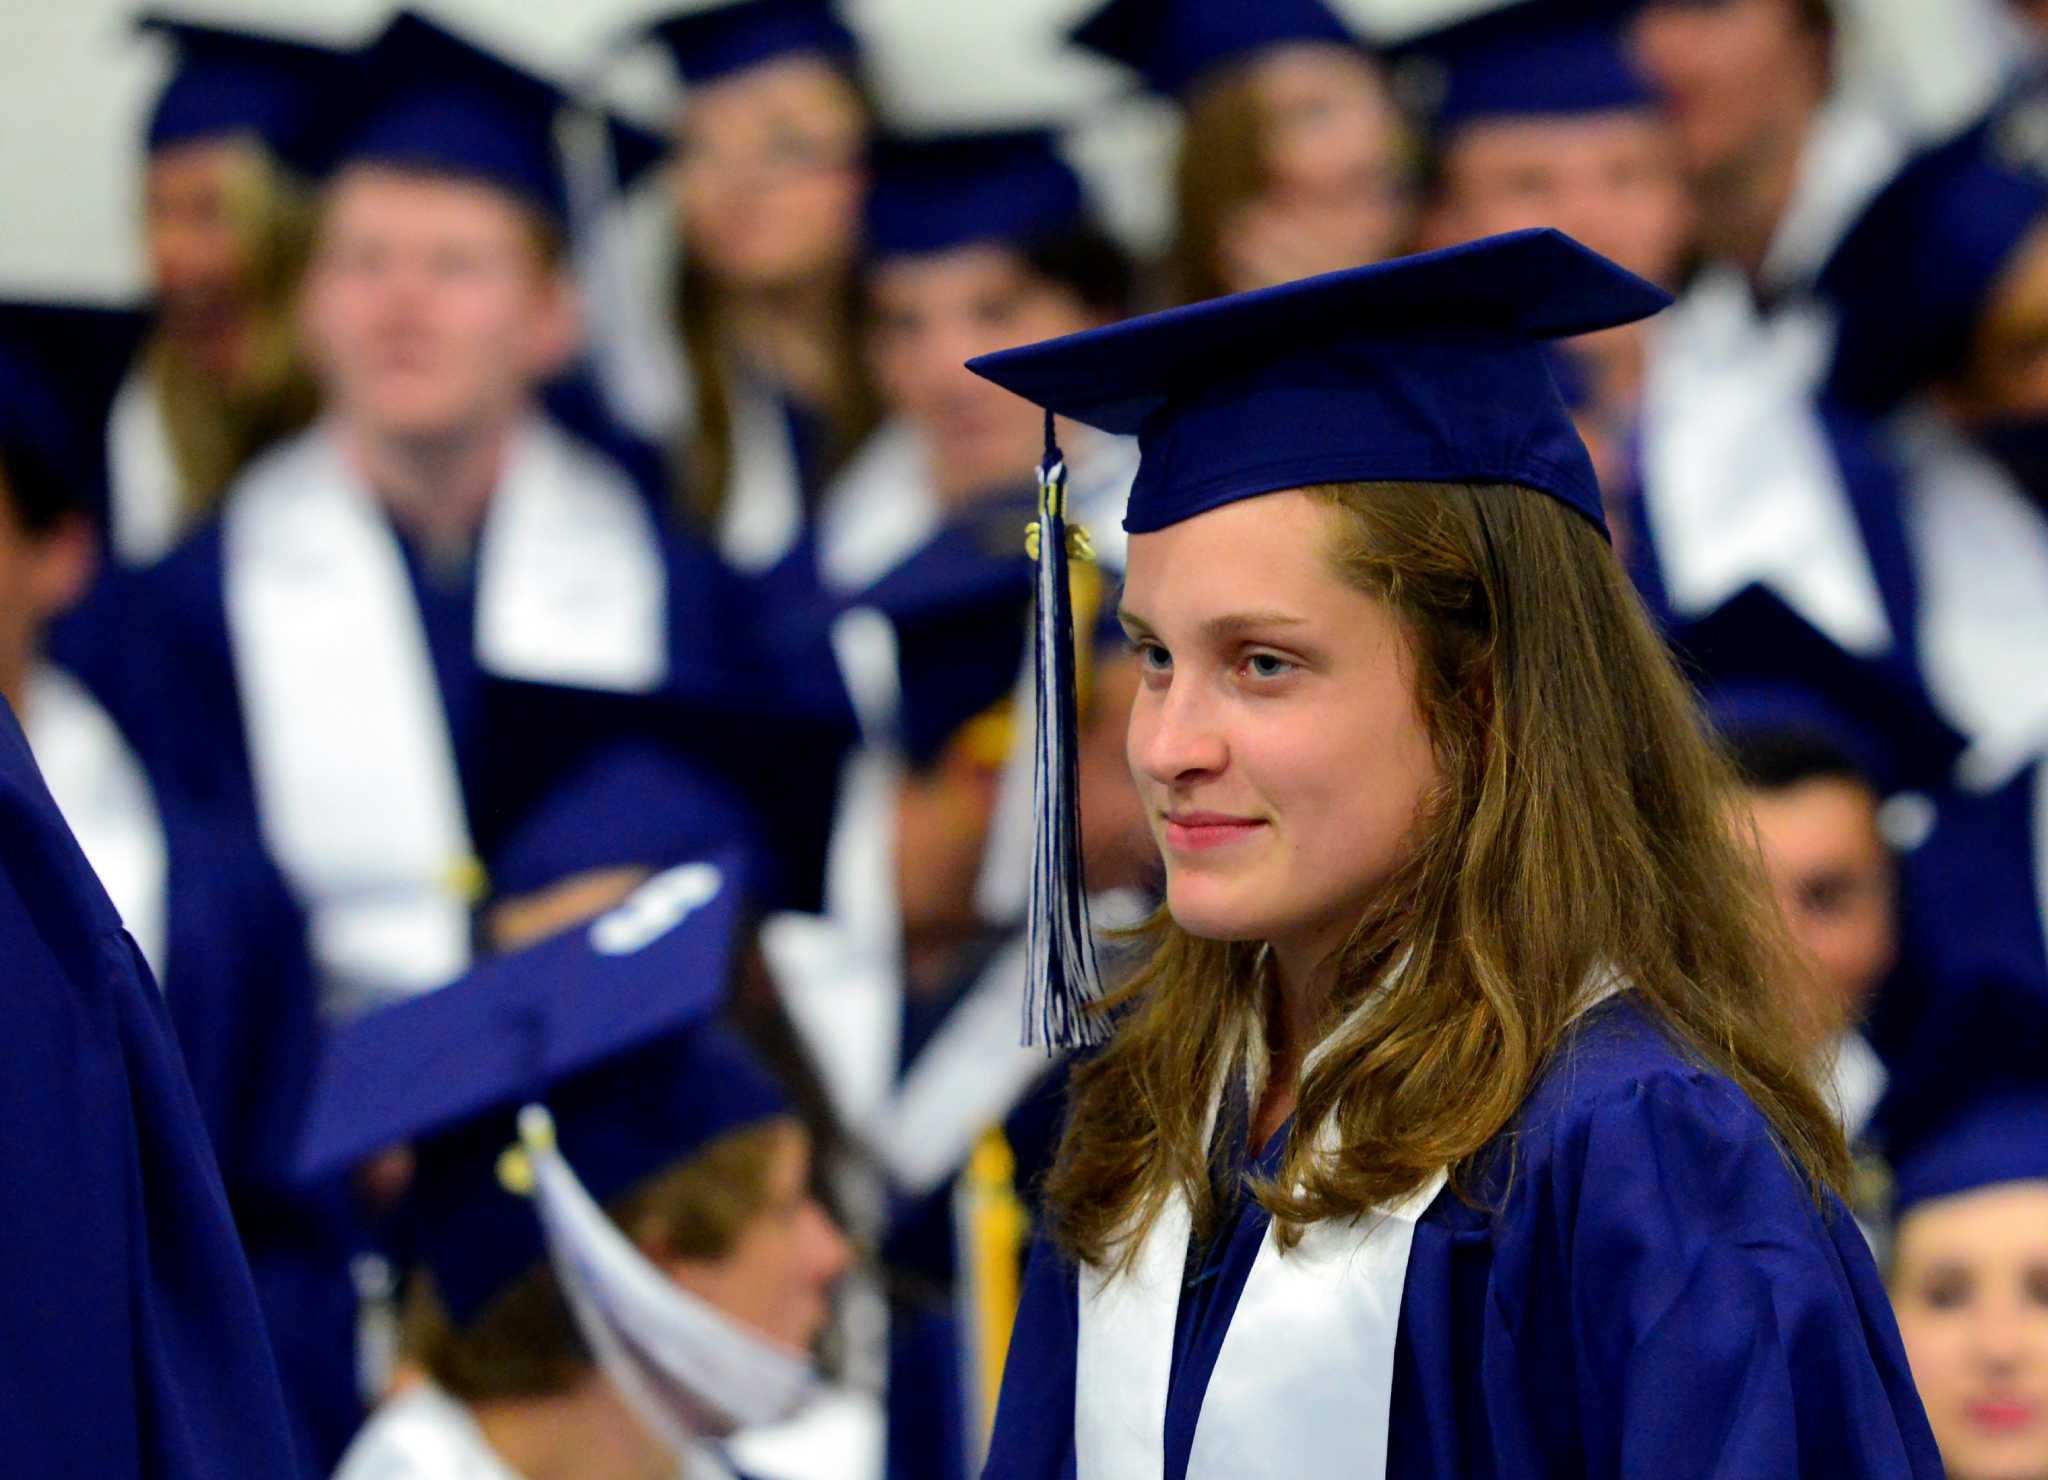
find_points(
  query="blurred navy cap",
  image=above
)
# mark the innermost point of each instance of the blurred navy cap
(1172, 43)
(935, 193)
(719, 40)
(227, 81)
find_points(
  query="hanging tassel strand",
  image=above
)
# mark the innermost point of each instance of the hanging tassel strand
(1063, 982)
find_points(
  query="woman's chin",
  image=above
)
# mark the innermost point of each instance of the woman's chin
(1203, 914)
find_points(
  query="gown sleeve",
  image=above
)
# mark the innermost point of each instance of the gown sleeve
(1034, 1431)
(1721, 1323)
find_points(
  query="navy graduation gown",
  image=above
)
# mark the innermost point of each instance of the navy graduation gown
(133, 1344)
(1652, 1293)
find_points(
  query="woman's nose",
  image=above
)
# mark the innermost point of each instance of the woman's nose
(1174, 737)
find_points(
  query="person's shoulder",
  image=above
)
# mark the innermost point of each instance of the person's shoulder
(422, 1434)
(1620, 1085)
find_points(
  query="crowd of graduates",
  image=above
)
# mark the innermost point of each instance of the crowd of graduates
(481, 685)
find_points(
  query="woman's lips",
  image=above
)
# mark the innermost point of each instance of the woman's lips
(1197, 832)
(2001, 1415)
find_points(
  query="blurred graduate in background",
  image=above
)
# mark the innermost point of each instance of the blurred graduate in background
(1968, 1274)
(1293, 159)
(195, 891)
(437, 566)
(227, 222)
(616, 1263)
(769, 168)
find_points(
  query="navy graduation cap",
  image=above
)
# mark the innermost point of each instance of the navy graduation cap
(1429, 368)
(607, 1025)
(1172, 43)
(1533, 59)
(420, 96)
(229, 81)
(946, 191)
(2003, 1138)
(719, 40)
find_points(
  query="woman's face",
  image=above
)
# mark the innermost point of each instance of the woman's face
(1337, 183)
(769, 175)
(198, 203)
(1970, 1284)
(778, 1275)
(1275, 738)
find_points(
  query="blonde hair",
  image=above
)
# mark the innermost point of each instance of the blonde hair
(1578, 827)
(214, 433)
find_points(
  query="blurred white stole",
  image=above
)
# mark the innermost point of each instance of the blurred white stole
(355, 774)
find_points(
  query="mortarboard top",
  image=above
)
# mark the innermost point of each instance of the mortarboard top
(1753, 643)
(1172, 43)
(1750, 711)
(60, 366)
(1539, 58)
(1423, 368)
(1998, 1140)
(719, 40)
(231, 81)
(608, 1025)
(960, 608)
(421, 96)
(932, 194)
(633, 804)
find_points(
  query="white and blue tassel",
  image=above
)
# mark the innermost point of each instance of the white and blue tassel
(1062, 985)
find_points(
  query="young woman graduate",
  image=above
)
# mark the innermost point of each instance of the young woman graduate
(1452, 1128)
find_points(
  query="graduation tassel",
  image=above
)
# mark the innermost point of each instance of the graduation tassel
(1062, 982)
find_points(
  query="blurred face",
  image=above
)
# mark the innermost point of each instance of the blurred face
(1609, 179)
(1337, 180)
(778, 1275)
(1832, 875)
(932, 313)
(1116, 841)
(942, 822)
(42, 575)
(1740, 78)
(1275, 738)
(428, 308)
(197, 203)
(2005, 374)
(769, 176)
(1970, 1284)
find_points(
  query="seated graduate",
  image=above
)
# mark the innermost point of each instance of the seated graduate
(411, 616)
(1293, 158)
(1904, 545)
(1968, 1274)
(973, 241)
(1541, 119)
(907, 989)
(1454, 1125)
(227, 219)
(618, 1260)
(201, 900)
(134, 1342)
(770, 168)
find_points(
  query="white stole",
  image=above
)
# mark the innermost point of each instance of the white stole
(1303, 1385)
(355, 775)
(1740, 485)
(763, 512)
(144, 491)
(1853, 1078)
(105, 796)
(422, 1434)
(877, 511)
(1980, 553)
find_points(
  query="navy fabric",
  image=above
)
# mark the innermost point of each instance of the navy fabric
(135, 1344)
(1965, 1017)
(931, 194)
(61, 366)
(1755, 637)
(1642, 1285)
(2001, 1139)
(604, 1024)
(1528, 60)
(229, 81)
(1429, 367)
(1912, 278)
(718, 40)
(422, 97)
(1173, 43)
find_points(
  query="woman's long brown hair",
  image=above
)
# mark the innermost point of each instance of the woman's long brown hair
(1220, 167)
(1579, 827)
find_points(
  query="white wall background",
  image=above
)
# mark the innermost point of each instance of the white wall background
(76, 85)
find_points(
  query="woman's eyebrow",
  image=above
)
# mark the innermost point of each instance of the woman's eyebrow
(1237, 624)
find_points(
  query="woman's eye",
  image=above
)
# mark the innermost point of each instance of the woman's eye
(1154, 657)
(1268, 665)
